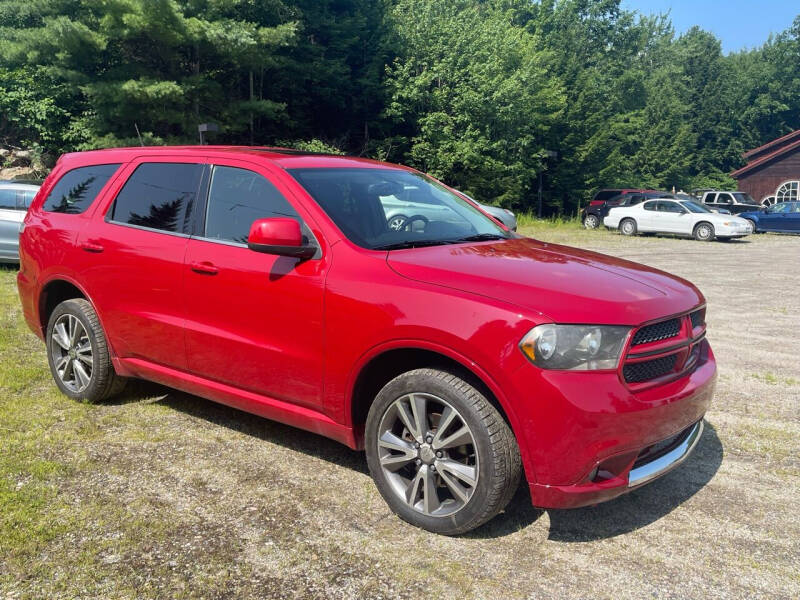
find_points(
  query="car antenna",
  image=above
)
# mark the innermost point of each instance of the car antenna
(141, 143)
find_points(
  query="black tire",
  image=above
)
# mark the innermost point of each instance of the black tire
(103, 381)
(498, 464)
(591, 222)
(628, 227)
(703, 232)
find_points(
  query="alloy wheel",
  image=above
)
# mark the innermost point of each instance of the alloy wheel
(591, 222)
(71, 350)
(397, 223)
(427, 454)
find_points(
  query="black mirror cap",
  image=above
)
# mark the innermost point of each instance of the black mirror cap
(301, 252)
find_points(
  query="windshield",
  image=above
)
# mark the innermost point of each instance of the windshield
(386, 209)
(694, 207)
(743, 198)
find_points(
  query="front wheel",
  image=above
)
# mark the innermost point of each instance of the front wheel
(78, 354)
(751, 226)
(704, 232)
(441, 455)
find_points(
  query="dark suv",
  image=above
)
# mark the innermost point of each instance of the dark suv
(592, 216)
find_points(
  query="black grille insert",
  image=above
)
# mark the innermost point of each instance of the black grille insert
(657, 332)
(649, 369)
(697, 318)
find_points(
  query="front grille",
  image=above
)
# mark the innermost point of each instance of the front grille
(649, 369)
(661, 448)
(657, 332)
(697, 318)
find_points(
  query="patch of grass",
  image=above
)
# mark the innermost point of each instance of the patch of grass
(772, 379)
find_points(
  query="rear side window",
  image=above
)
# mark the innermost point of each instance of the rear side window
(651, 205)
(605, 194)
(77, 189)
(709, 198)
(158, 196)
(236, 198)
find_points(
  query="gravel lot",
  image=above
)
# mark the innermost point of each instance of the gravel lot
(164, 495)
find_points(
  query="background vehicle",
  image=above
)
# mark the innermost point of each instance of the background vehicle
(592, 216)
(734, 202)
(15, 198)
(783, 217)
(454, 352)
(678, 217)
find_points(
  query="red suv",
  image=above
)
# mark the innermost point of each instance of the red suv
(455, 352)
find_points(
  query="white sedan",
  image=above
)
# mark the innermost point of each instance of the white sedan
(678, 217)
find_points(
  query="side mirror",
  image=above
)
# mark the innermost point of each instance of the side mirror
(280, 236)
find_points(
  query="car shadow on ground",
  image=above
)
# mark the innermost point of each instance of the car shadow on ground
(242, 422)
(627, 513)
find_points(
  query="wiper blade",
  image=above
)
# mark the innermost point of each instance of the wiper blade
(413, 244)
(482, 236)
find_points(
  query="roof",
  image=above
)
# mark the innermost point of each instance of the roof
(286, 158)
(776, 142)
(786, 149)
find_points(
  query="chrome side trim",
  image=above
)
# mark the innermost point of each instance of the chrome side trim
(656, 468)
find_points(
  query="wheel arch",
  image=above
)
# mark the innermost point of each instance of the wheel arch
(53, 293)
(383, 364)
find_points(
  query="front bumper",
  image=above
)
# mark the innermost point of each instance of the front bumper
(588, 437)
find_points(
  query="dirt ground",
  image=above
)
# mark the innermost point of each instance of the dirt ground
(160, 494)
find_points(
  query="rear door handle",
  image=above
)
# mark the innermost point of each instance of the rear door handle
(204, 268)
(90, 247)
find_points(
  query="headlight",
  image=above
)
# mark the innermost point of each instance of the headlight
(574, 347)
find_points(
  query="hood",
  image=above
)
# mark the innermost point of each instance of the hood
(718, 218)
(565, 284)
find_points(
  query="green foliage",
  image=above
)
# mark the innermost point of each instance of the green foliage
(473, 91)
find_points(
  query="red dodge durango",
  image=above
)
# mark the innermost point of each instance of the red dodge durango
(455, 352)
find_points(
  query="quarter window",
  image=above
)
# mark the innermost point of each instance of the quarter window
(77, 189)
(236, 198)
(158, 196)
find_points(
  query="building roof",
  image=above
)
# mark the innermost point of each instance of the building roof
(783, 145)
(776, 142)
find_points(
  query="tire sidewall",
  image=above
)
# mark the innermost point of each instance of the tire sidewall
(591, 222)
(700, 228)
(632, 224)
(71, 308)
(418, 382)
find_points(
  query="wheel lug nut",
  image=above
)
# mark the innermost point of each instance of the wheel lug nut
(433, 467)
(418, 461)
(416, 445)
(439, 454)
(429, 439)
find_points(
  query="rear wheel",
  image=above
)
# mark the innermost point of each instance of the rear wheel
(441, 455)
(78, 355)
(704, 232)
(628, 227)
(591, 222)
(397, 223)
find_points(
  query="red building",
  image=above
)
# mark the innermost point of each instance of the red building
(773, 171)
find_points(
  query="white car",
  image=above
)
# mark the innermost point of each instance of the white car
(678, 217)
(15, 198)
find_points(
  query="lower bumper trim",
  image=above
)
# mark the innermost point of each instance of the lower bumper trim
(668, 461)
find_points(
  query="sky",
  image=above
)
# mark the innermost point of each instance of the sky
(739, 24)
